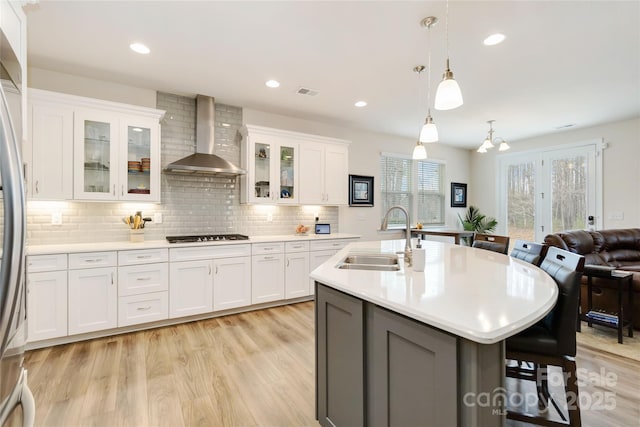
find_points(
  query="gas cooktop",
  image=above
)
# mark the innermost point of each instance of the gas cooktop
(206, 238)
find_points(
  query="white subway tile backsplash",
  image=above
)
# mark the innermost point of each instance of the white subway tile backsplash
(190, 205)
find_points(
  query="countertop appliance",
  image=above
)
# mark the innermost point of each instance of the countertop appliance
(206, 238)
(13, 316)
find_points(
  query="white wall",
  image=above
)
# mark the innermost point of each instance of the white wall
(364, 158)
(621, 169)
(66, 83)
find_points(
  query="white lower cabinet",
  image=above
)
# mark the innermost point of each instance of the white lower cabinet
(191, 289)
(47, 304)
(231, 283)
(143, 290)
(296, 273)
(267, 278)
(142, 308)
(93, 299)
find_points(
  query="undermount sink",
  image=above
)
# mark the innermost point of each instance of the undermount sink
(394, 267)
(370, 262)
(371, 259)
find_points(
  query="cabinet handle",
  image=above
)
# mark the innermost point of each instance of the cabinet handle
(114, 189)
(209, 270)
(287, 262)
(268, 249)
(216, 269)
(112, 278)
(122, 190)
(144, 308)
(143, 256)
(144, 278)
(268, 257)
(93, 260)
(37, 189)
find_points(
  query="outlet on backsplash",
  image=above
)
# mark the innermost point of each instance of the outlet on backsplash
(157, 218)
(56, 218)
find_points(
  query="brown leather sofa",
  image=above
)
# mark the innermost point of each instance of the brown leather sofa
(618, 248)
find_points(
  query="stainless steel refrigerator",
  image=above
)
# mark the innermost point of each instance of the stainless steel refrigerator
(13, 316)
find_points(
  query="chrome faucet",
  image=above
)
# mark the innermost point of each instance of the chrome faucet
(407, 246)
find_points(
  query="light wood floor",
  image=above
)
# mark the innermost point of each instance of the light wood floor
(248, 369)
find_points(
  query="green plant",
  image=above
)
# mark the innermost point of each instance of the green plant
(475, 221)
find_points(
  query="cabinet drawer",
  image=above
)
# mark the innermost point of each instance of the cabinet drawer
(323, 245)
(145, 278)
(209, 252)
(267, 248)
(135, 309)
(296, 247)
(143, 256)
(56, 262)
(92, 259)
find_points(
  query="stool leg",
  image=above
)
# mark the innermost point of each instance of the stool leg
(630, 286)
(571, 390)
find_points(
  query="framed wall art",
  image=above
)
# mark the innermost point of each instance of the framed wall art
(360, 190)
(458, 195)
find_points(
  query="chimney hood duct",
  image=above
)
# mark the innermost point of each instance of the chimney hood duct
(204, 161)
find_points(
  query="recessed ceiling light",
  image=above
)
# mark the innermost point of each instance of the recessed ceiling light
(360, 104)
(272, 83)
(139, 48)
(494, 39)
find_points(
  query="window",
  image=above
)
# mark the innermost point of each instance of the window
(417, 185)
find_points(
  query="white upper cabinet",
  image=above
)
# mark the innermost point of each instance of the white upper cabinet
(286, 167)
(271, 160)
(50, 139)
(87, 149)
(325, 173)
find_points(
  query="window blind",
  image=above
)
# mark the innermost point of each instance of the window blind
(416, 185)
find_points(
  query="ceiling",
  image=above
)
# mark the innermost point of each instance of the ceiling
(562, 63)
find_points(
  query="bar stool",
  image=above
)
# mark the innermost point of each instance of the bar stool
(551, 341)
(530, 252)
(491, 242)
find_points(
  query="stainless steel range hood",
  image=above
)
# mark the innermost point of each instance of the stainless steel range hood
(204, 161)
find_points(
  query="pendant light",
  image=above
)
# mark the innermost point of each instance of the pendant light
(448, 94)
(429, 132)
(419, 151)
(489, 142)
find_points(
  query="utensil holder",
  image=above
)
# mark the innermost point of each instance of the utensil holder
(136, 236)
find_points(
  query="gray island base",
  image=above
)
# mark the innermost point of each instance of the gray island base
(375, 367)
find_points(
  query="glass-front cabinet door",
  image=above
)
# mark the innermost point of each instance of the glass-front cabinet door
(139, 160)
(262, 182)
(95, 156)
(288, 173)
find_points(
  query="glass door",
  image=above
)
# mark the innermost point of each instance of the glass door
(262, 172)
(549, 191)
(95, 157)
(288, 174)
(138, 178)
(572, 190)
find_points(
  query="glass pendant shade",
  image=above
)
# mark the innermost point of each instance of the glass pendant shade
(429, 132)
(487, 144)
(503, 146)
(448, 95)
(482, 149)
(419, 152)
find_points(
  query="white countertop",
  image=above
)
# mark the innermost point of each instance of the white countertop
(476, 294)
(153, 244)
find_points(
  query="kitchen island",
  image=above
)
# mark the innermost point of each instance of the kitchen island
(421, 348)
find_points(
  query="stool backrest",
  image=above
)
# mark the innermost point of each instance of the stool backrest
(566, 269)
(530, 252)
(491, 242)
